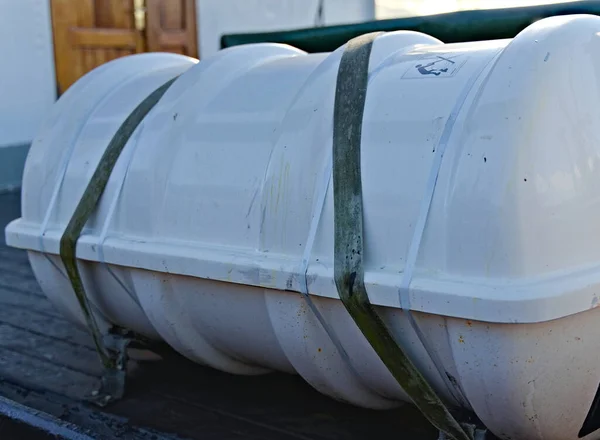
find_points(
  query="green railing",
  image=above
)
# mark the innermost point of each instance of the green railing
(453, 27)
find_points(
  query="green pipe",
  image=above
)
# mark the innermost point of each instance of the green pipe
(452, 27)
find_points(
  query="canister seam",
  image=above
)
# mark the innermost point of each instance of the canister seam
(419, 230)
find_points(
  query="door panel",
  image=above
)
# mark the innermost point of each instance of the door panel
(88, 33)
(172, 26)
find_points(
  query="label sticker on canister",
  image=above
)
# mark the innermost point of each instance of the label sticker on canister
(436, 66)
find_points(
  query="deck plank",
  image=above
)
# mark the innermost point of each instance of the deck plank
(19, 283)
(41, 323)
(56, 352)
(33, 303)
(37, 374)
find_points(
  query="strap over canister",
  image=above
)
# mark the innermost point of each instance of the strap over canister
(350, 97)
(113, 360)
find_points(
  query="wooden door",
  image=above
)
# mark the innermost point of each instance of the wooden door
(88, 33)
(171, 27)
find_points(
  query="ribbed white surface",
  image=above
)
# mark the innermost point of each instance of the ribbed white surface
(480, 191)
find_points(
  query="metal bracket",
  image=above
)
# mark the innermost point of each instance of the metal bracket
(112, 385)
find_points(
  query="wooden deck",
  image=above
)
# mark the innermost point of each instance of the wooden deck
(48, 364)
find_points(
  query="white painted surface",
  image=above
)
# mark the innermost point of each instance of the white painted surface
(27, 80)
(219, 17)
(386, 9)
(214, 196)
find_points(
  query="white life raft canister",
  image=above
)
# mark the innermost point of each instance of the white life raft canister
(480, 171)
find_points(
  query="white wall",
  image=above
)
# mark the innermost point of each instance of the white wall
(218, 17)
(27, 82)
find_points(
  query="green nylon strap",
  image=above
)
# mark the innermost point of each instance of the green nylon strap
(86, 207)
(350, 95)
